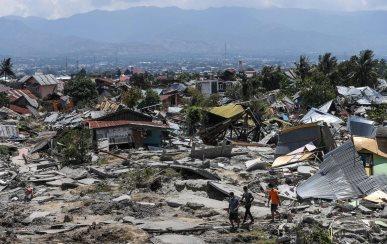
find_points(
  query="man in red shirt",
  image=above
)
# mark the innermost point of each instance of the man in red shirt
(275, 201)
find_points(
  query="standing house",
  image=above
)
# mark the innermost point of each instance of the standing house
(127, 128)
(41, 85)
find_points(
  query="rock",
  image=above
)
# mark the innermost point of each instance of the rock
(177, 239)
(35, 215)
(193, 185)
(67, 218)
(255, 164)
(194, 206)
(383, 214)
(122, 198)
(186, 197)
(88, 181)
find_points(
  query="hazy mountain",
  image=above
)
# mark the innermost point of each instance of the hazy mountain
(145, 30)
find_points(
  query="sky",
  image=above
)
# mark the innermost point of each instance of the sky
(53, 9)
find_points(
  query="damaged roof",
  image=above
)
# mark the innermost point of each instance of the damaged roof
(341, 176)
(227, 111)
(43, 80)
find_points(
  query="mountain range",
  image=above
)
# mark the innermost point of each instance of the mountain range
(145, 31)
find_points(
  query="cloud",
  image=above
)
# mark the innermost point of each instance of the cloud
(64, 8)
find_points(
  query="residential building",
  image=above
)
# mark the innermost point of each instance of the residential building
(41, 85)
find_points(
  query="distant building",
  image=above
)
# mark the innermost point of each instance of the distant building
(209, 87)
(41, 85)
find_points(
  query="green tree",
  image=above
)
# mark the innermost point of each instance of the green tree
(142, 80)
(365, 73)
(212, 101)
(272, 77)
(303, 67)
(82, 89)
(228, 75)
(234, 92)
(6, 68)
(75, 146)
(327, 63)
(197, 97)
(4, 99)
(151, 98)
(193, 118)
(131, 97)
(316, 90)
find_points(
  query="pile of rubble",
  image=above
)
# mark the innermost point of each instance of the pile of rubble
(148, 182)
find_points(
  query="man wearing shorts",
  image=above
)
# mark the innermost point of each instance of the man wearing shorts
(275, 201)
(233, 205)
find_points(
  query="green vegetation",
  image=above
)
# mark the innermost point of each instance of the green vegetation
(145, 178)
(6, 69)
(82, 89)
(317, 235)
(75, 146)
(151, 98)
(193, 116)
(378, 113)
(4, 151)
(4, 99)
(142, 80)
(131, 97)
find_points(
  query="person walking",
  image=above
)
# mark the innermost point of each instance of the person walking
(247, 199)
(275, 201)
(233, 206)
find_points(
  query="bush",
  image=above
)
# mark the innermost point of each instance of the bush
(75, 146)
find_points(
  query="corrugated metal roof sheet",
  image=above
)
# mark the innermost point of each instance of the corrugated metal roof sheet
(107, 124)
(43, 80)
(8, 131)
(17, 93)
(338, 176)
(46, 79)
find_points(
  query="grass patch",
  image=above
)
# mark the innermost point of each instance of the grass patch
(256, 235)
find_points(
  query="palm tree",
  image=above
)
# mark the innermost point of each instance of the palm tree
(365, 73)
(326, 63)
(6, 69)
(303, 67)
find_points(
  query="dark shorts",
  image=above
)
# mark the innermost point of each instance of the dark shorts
(274, 207)
(233, 216)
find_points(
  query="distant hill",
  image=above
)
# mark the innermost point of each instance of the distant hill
(163, 31)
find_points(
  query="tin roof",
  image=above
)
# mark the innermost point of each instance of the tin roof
(43, 80)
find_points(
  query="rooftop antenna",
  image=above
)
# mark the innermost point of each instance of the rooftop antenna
(66, 65)
(225, 52)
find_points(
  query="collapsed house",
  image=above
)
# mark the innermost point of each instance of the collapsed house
(361, 95)
(232, 121)
(341, 176)
(293, 138)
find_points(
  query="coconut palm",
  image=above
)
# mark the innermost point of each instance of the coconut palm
(6, 68)
(365, 72)
(327, 63)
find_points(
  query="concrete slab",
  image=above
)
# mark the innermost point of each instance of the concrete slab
(35, 215)
(177, 239)
(186, 197)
